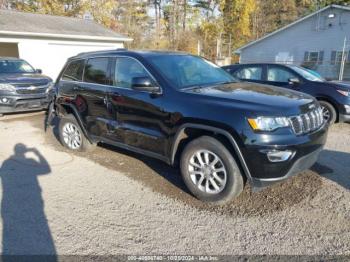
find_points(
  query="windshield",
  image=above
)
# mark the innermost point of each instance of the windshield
(308, 74)
(15, 66)
(186, 71)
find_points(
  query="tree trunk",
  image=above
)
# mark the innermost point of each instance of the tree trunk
(184, 15)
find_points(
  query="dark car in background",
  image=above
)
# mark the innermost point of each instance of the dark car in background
(186, 111)
(23, 88)
(334, 97)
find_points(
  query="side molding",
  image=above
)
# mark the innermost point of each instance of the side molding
(180, 135)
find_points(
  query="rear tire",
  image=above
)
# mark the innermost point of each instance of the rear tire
(329, 112)
(210, 171)
(72, 136)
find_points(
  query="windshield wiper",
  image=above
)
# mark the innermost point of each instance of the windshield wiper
(207, 85)
(192, 87)
(225, 82)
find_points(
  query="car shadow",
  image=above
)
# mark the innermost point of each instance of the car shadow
(25, 226)
(335, 166)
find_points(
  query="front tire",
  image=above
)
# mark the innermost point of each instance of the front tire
(329, 112)
(210, 171)
(72, 136)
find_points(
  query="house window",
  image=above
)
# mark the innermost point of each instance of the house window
(313, 57)
(337, 56)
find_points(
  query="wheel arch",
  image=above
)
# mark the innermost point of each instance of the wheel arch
(66, 109)
(332, 102)
(222, 135)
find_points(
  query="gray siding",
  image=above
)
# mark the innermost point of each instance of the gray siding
(312, 34)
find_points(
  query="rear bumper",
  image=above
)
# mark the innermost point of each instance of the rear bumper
(18, 103)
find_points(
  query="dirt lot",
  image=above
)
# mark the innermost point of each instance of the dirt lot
(114, 202)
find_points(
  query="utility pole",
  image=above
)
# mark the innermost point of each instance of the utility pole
(199, 47)
(218, 47)
(342, 65)
(229, 47)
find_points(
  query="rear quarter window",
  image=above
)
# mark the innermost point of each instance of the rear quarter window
(74, 71)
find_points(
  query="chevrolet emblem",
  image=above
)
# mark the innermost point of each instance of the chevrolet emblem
(32, 88)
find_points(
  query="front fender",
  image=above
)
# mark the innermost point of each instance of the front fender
(180, 134)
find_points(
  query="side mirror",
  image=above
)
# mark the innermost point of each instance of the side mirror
(145, 84)
(293, 81)
(38, 71)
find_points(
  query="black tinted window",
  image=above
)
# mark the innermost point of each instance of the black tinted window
(96, 71)
(126, 69)
(74, 71)
(187, 71)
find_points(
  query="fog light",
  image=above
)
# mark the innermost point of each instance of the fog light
(279, 156)
(5, 100)
(347, 109)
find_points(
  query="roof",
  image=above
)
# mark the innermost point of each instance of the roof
(40, 25)
(292, 24)
(257, 64)
(123, 51)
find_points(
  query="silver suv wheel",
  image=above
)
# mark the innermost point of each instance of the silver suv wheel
(207, 172)
(326, 114)
(71, 136)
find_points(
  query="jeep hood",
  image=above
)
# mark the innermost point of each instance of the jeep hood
(257, 97)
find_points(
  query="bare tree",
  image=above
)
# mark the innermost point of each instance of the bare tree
(3, 4)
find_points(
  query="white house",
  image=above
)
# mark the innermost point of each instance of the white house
(46, 41)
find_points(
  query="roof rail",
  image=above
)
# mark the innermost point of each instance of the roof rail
(101, 51)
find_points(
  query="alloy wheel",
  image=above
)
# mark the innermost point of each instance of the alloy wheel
(72, 136)
(326, 113)
(207, 172)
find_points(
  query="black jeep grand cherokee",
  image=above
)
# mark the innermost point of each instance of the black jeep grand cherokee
(183, 109)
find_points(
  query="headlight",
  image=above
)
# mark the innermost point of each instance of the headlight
(50, 87)
(344, 93)
(268, 123)
(7, 87)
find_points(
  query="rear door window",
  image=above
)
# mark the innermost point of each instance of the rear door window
(97, 71)
(74, 71)
(249, 73)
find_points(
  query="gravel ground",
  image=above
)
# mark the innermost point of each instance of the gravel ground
(111, 201)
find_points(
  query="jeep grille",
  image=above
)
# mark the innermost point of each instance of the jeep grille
(306, 123)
